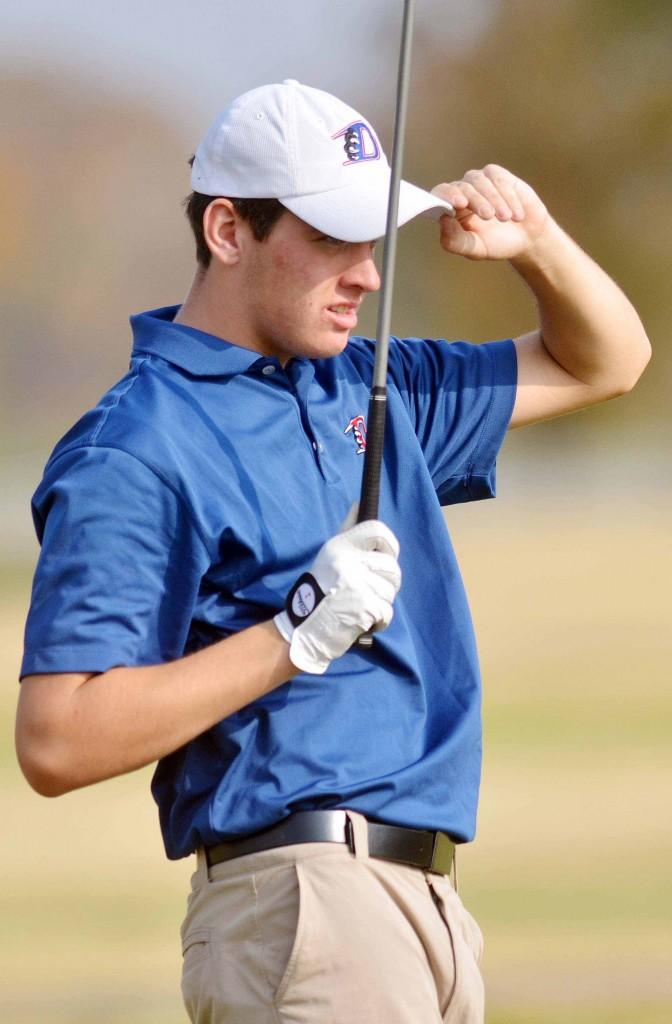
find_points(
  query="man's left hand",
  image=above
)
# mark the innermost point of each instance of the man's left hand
(497, 216)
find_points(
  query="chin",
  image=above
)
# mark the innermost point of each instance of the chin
(318, 345)
(324, 348)
(334, 345)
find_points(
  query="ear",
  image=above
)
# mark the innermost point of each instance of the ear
(222, 231)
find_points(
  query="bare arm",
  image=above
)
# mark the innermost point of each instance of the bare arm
(590, 345)
(74, 729)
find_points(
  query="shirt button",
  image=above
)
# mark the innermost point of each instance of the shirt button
(314, 445)
(268, 370)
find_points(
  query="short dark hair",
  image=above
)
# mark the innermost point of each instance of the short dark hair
(260, 214)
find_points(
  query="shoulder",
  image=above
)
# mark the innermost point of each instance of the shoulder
(148, 415)
(120, 445)
(360, 353)
(117, 411)
(440, 359)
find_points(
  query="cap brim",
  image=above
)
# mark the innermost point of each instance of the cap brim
(358, 213)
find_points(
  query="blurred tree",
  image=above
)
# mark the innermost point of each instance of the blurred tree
(575, 96)
(92, 230)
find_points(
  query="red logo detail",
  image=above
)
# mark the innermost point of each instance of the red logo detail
(358, 427)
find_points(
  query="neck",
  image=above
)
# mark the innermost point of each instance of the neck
(211, 306)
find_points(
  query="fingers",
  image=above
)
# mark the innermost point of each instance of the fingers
(379, 606)
(381, 549)
(498, 186)
(372, 535)
(385, 568)
(490, 192)
(457, 239)
(382, 617)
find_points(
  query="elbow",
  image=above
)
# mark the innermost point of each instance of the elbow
(45, 784)
(49, 736)
(639, 358)
(44, 768)
(44, 779)
(641, 362)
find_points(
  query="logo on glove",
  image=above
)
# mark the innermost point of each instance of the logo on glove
(303, 600)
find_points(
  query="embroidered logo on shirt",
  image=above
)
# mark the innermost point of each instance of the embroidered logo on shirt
(358, 427)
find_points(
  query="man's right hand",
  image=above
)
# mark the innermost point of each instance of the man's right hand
(358, 577)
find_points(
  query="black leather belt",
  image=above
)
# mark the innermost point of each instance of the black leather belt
(433, 851)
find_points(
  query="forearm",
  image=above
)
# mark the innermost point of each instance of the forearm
(587, 324)
(74, 729)
(88, 729)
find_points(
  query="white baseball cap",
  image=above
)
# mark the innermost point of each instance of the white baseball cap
(316, 155)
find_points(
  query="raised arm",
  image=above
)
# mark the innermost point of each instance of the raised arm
(590, 345)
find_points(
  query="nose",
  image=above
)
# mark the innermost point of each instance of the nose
(362, 272)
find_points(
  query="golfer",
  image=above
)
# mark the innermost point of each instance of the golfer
(201, 583)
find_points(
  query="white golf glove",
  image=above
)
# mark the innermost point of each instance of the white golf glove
(348, 591)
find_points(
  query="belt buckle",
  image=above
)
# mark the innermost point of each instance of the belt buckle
(443, 854)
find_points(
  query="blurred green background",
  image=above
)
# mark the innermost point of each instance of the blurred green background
(568, 571)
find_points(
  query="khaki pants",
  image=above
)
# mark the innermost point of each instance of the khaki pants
(315, 934)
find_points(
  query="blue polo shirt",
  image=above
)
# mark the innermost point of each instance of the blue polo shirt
(182, 508)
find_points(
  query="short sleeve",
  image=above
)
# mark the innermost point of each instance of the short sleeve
(460, 398)
(119, 568)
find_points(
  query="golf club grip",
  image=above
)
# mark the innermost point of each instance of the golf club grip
(373, 462)
(373, 457)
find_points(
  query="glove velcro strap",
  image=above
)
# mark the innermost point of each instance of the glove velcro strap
(303, 598)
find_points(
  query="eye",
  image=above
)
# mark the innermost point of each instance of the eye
(337, 243)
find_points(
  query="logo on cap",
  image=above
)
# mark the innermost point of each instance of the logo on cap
(358, 427)
(359, 143)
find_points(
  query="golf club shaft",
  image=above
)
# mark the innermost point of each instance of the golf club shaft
(375, 428)
(375, 431)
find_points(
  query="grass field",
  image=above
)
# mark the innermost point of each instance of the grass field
(570, 877)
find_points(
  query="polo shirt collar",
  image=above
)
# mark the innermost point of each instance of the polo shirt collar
(201, 354)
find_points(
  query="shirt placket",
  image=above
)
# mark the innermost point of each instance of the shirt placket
(301, 376)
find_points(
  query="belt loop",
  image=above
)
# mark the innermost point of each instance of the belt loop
(202, 874)
(357, 830)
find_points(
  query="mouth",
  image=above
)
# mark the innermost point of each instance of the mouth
(343, 315)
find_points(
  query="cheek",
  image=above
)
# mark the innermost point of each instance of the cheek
(297, 284)
(295, 272)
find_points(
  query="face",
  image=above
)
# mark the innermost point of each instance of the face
(303, 289)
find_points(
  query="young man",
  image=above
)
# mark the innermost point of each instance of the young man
(322, 786)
